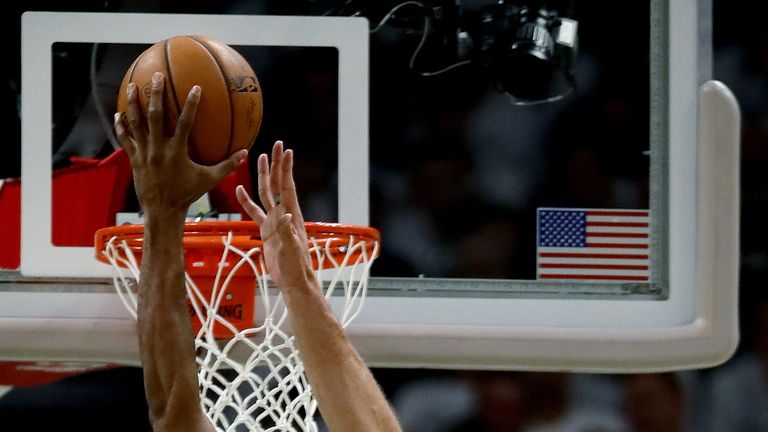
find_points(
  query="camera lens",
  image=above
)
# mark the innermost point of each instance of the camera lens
(533, 38)
(527, 69)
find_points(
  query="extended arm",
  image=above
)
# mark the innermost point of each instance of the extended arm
(347, 393)
(167, 182)
(166, 341)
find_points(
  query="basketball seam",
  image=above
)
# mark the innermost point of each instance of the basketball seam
(167, 61)
(133, 68)
(167, 58)
(130, 75)
(229, 93)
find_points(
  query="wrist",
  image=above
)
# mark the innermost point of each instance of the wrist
(163, 226)
(164, 215)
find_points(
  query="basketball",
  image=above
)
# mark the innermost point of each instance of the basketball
(230, 109)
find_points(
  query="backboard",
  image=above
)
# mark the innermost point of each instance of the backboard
(587, 234)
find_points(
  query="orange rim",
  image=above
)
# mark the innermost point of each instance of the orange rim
(206, 237)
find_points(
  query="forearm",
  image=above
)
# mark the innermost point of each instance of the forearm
(165, 331)
(347, 393)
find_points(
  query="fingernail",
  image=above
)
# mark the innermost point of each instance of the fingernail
(195, 92)
(131, 91)
(241, 157)
(156, 79)
(117, 117)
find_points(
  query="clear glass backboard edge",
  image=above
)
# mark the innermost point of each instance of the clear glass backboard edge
(506, 288)
(13, 281)
(659, 136)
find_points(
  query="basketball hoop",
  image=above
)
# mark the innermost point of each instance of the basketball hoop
(250, 373)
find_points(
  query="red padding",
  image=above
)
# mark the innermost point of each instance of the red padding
(86, 197)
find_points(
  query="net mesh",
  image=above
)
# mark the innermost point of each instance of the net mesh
(253, 379)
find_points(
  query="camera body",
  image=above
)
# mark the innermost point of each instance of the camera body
(524, 44)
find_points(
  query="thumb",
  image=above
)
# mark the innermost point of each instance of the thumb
(221, 169)
(284, 227)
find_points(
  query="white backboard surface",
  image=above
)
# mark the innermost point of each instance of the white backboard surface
(38, 256)
(62, 307)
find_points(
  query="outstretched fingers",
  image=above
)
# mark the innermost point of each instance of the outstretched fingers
(288, 191)
(265, 191)
(122, 136)
(275, 172)
(276, 188)
(187, 117)
(135, 118)
(155, 108)
(254, 211)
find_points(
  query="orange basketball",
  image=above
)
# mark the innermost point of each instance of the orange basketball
(229, 113)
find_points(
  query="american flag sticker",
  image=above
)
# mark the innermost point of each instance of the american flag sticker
(593, 245)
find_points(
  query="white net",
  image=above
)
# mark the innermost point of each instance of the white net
(253, 379)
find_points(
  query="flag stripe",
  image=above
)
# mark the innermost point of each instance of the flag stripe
(594, 266)
(594, 277)
(592, 250)
(617, 241)
(615, 219)
(617, 224)
(619, 245)
(617, 212)
(617, 234)
(591, 255)
(590, 271)
(602, 261)
(606, 229)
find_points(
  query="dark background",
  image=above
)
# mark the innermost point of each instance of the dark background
(427, 162)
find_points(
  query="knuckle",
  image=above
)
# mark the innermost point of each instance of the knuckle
(183, 121)
(154, 112)
(134, 123)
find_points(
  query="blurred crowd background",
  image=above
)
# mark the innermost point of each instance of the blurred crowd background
(457, 172)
